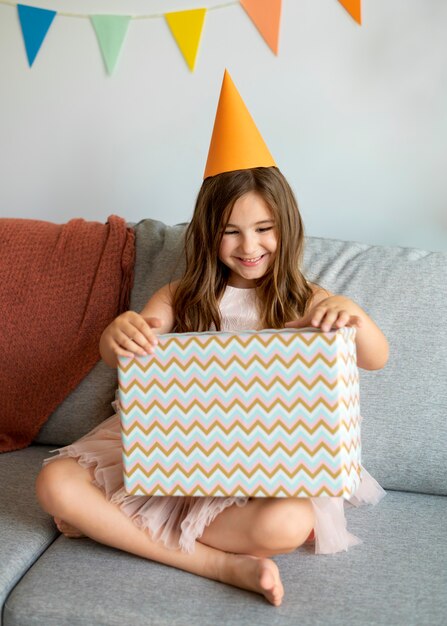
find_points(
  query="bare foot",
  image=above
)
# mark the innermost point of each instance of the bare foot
(67, 529)
(270, 581)
(260, 575)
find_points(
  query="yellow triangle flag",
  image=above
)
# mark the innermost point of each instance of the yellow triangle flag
(266, 16)
(186, 28)
(354, 8)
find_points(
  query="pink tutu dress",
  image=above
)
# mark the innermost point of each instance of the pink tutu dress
(179, 521)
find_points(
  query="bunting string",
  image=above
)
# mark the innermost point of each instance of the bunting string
(149, 16)
(186, 26)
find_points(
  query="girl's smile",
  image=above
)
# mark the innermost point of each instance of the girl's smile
(252, 262)
(249, 241)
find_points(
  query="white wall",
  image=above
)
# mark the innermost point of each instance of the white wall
(356, 117)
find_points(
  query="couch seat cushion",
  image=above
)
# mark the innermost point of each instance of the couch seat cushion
(397, 576)
(25, 530)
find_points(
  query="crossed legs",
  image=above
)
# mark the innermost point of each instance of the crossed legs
(233, 549)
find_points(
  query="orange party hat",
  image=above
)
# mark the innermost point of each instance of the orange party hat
(236, 143)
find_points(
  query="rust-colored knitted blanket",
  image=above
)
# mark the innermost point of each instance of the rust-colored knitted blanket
(60, 286)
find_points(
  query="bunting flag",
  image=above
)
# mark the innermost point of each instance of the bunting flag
(111, 31)
(354, 8)
(35, 24)
(186, 28)
(266, 16)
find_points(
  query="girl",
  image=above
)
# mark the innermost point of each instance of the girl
(243, 251)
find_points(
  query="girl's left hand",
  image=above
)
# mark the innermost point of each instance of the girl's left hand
(333, 312)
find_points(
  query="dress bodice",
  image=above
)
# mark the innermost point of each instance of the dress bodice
(239, 309)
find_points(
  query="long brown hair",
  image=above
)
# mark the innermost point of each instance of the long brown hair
(283, 292)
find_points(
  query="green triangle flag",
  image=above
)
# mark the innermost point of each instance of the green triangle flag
(111, 31)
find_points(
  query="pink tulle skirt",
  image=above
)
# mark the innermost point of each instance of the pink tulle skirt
(179, 521)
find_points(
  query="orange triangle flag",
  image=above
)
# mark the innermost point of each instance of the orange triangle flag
(236, 143)
(186, 28)
(266, 16)
(354, 8)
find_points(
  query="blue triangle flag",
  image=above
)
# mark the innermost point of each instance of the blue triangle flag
(35, 23)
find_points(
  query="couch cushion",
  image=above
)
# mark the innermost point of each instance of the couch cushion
(397, 576)
(405, 404)
(159, 259)
(86, 407)
(25, 530)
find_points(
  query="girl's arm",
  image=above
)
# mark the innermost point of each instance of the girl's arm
(136, 333)
(328, 311)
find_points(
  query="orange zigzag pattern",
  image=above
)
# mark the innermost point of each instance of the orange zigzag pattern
(247, 429)
(194, 360)
(247, 450)
(155, 404)
(260, 492)
(226, 338)
(216, 382)
(258, 468)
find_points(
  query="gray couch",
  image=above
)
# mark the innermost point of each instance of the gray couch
(397, 576)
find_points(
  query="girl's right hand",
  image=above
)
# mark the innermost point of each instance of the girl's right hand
(129, 334)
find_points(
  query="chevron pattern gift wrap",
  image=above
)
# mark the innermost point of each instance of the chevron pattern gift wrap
(257, 413)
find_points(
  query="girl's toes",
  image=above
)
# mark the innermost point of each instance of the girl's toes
(270, 581)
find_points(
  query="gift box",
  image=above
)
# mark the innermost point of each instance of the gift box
(272, 413)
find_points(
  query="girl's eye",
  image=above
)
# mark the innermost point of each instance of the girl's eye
(264, 230)
(230, 232)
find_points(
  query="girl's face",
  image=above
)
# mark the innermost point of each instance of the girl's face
(249, 241)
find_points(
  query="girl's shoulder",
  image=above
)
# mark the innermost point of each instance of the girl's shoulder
(160, 305)
(167, 292)
(318, 294)
(170, 288)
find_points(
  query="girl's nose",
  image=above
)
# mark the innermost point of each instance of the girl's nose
(248, 245)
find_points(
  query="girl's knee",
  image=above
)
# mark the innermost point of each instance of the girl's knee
(52, 484)
(284, 524)
(48, 484)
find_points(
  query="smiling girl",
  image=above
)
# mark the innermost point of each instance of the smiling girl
(243, 251)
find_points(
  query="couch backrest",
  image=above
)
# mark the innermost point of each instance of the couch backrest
(404, 406)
